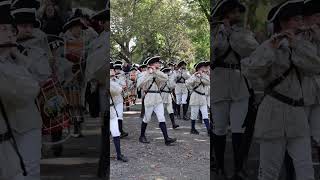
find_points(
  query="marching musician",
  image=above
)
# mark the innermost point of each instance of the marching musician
(282, 124)
(198, 101)
(166, 90)
(312, 95)
(73, 32)
(181, 91)
(150, 81)
(18, 93)
(143, 67)
(115, 91)
(231, 95)
(25, 17)
(31, 36)
(121, 79)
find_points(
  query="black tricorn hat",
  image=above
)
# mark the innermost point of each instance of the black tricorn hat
(5, 15)
(17, 4)
(165, 69)
(25, 15)
(201, 64)
(181, 63)
(225, 6)
(111, 65)
(286, 10)
(143, 66)
(103, 15)
(74, 21)
(311, 7)
(154, 59)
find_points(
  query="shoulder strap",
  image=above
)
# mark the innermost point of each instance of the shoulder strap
(113, 104)
(14, 144)
(196, 87)
(153, 81)
(164, 87)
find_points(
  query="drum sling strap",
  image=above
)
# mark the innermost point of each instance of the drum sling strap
(219, 60)
(285, 99)
(162, 89)
(14, 143)
(148, 90)
(196, 91)
(113, 104)
(181, 78)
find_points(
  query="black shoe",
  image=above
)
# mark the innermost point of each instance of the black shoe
(122, 158)
(175, 126)
(143, 139)
(194, 131)
(123, 134)
(170, 140)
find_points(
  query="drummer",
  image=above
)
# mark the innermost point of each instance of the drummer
(18, 92)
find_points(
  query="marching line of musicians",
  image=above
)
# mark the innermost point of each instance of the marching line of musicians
(161, 86)
(269, 91)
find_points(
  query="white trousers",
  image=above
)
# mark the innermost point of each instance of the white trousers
(224, 112)
(168, 107)
(272, 154)
(313, 114)
(114, 127)
(182, 98)
(9, 166)
(29, 145)
(158, 109)
(119, 109)
(195, 112)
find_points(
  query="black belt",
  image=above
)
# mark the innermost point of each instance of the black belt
(166, 91)
(153, 92)
(286, 99)
(180, 82)
(111, 104)
(5, 137)
(228, 66)
(202, 94)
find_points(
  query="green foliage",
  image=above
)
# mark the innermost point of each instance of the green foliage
(173, 29)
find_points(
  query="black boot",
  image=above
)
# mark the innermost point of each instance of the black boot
(290, 172)
(193, 127)
(123, 134)
(236, 144)
(178, 111)
(174, 125)
(168, 141)
(185, 110)
(142, 109)
(206, 122)
(142, 137)
(219, 145)
(120, 157)
(200, 117)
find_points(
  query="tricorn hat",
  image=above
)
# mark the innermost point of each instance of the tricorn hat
(225, 6)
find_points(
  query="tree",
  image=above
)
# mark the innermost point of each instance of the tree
(168, 28)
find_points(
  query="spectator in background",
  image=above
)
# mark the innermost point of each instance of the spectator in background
(52, 23)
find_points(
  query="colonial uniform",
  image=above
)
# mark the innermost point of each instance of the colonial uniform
(166, 90)
(181, 90)
(118, 100)
(281, 122)
(76, 86)
(150, 83)
(231, 96)
(311, 84)
(198, 100)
